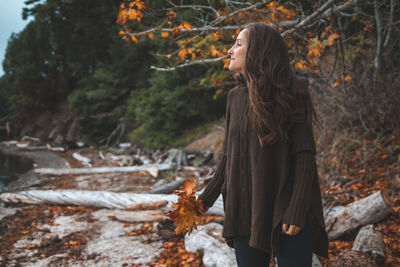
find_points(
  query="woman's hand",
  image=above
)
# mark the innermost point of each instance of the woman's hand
(201, 208)
(293, 229)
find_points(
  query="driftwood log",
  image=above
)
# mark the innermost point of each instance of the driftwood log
(64, 171)
(49, 147)
(148, 205)
(30, 138)
(370, 241)
(84, 160)
(332, 211)
(101, 199)
(315, 261)
(176, 155)
(353, 258)
(167, 188)
(208, 239)
(140, 216)
(368, 210)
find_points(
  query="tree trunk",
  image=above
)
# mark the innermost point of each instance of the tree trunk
(167, 188)
(370, 241)
(368, 210)
(147, 205)
(64, 171)
(208, 239)
(140, 216)
(100, 199)
(353, 258)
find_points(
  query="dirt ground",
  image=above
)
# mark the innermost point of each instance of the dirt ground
(53, 235)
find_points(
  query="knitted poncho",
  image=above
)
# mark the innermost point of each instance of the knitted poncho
(264, 187)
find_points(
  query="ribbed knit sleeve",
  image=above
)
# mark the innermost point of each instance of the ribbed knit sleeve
(302, 150)
(213, 189)
(304, 172)
(301, 138)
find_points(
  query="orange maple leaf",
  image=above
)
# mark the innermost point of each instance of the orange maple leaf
(337, 83)
(188, 211)
(134, 39)
(347, 78)
(185, 25)
(175, 31)
(182, 53)
(164, 34)
(141, 4)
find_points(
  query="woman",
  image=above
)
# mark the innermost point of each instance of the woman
(267, 172)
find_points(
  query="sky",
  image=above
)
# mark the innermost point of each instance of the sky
(10, 21)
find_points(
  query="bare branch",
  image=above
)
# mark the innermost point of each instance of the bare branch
(392, 4)
(218, 20)
(189, 63)
(295, 25)
(378, 20)
(310, 17)
(211, 28)
(195, 7)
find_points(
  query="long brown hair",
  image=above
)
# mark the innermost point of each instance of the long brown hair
(277, 98)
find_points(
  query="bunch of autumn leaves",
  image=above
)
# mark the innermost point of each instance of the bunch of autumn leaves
(188, 211)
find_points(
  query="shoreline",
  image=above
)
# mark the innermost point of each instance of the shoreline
(43, 158)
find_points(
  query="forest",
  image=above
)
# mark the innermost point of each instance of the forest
(123, 83)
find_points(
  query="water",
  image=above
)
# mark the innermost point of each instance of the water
(11, 167)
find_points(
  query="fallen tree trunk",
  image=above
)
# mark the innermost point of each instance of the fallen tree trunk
(176, 155)
(64, 171)
(208, 239)
(140, 216)
(370, 241)
(167, 188)
(101, 199)
(30, 138)
(368, 210)
(353, 258)
(82, 159)
(148, 205)
(62, 149)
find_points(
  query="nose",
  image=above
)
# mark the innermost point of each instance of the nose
(230, 52)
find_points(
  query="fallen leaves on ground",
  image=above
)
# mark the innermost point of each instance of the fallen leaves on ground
(175, 254)
(24, 225)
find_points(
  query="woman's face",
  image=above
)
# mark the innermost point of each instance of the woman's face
(237, 52)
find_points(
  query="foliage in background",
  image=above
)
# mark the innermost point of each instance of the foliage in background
(73, 52)
(172, 104)
(158, 67)
(349, 49)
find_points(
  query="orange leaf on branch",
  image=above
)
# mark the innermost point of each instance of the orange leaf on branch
(188, 211)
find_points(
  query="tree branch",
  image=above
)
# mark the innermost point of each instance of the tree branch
(195, 7)
(378, 20)
(295, 25)
(189, 63)
(218, 20)
(390, 23)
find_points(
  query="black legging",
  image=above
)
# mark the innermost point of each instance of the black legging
(294, 251)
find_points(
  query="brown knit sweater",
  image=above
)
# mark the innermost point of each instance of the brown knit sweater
(264, 187)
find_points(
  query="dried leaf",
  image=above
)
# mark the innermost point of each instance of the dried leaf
(188, 211)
